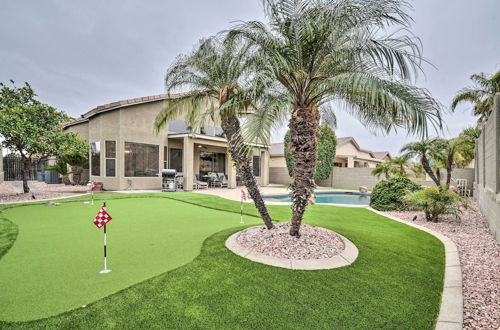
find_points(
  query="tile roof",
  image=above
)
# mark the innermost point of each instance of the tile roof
(120, 104)
(381, 154)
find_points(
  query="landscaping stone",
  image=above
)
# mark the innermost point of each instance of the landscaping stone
(12, 191)
(479, 256)
(314, 242)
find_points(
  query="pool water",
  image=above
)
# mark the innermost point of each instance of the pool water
(337, 197)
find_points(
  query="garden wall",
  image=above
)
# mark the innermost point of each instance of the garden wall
(487, 163)
(353, 178)
(279, 175)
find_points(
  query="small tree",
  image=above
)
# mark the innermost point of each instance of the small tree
(75, 152)
(28, 127)
(435, 201)
(60, 167)
(386, 168)
(327, 148)
(467, 149)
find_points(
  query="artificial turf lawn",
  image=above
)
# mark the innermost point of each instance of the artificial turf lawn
(396, 282)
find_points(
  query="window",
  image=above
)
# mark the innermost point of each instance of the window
(337, 164)
(176, 159)
(95, 158)
(256, 165)
(165, 157)
(141, 160)
(110, 158)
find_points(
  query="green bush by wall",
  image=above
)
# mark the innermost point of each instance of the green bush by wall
(326, 153)
(387, 195)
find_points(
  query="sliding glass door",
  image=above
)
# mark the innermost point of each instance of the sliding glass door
(212, 162)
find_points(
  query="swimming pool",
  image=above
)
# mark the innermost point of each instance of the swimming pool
(331, 197)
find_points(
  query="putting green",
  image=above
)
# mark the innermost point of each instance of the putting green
(396, 282)
(54, 264)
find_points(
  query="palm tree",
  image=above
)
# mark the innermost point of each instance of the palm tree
(445, 154)
(313, 52)
(424, 150)
(386, 168)
(467, 149)
(214, 73)
(417, 170)
(401, 163)
(481, 94)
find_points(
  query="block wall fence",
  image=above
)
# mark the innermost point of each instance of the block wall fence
(487, 167)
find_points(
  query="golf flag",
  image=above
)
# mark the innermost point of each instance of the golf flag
(243, 198)
(100, 220)
(102, 217)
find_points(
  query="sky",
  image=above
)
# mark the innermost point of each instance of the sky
(81, 54)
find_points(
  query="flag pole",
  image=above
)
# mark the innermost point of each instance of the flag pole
(105, 270)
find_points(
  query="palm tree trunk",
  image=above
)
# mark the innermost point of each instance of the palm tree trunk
(449, 169)
(438, 177)
(239, 153)
(304, 134)
(428, 170)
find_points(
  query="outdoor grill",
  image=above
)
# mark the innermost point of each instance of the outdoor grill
(168, 180)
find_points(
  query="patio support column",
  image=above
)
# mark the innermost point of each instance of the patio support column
(231, 172)
(188, 163)
(350, 162)
(265, 168)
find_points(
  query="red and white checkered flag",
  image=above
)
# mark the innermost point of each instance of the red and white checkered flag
(243, 195)
(102, 218)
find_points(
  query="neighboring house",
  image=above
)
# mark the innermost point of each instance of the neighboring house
(126, 154)
(348, 154)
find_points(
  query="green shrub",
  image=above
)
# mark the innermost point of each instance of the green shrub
(435, 201)
(387, 195)
(327, 146)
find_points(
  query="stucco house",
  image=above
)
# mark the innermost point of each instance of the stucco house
(125, 153)
(348, 154)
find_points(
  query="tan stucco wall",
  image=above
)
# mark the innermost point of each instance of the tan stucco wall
(487, 184)
(277, 161)
(347, 149)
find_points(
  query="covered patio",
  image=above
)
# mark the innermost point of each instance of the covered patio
(204, 159)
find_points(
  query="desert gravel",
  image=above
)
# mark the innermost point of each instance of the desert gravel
(12, 191)
(314, 242)
(480, 260)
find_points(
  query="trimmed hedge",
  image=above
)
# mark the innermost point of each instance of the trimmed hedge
(327, 148)
(387, 195)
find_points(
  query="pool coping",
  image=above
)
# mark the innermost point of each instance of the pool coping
(322, 191)
(347, 257)
(451, 309)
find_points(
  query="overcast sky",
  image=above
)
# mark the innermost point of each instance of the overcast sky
(81, 54)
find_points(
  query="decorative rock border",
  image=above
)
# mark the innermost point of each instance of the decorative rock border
(347, 257)
(451, 311)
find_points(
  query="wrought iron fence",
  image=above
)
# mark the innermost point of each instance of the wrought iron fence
(13, 168)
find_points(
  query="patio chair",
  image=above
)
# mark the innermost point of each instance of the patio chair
(462, 187)
(200, 184)
(216, 181)
(223, 181)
